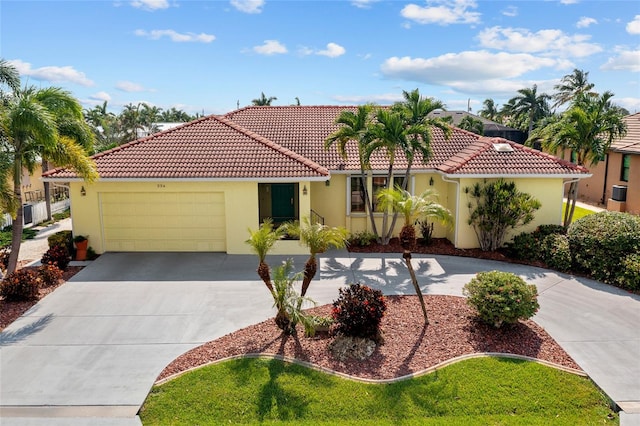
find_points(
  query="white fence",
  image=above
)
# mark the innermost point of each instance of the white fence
(39, 212)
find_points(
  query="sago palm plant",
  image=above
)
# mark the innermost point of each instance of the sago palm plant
(261, 242)
(318, 238)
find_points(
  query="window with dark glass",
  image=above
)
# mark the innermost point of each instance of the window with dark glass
(574, 157)
(624, 171)
(380, 182)
(357, 195)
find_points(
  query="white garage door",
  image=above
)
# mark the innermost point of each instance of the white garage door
(190, 221)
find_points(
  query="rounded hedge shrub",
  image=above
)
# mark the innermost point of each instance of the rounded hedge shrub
(23, 284)
(50, 275)
(599, 242)
(556, 253)
(58, 256)
(358, 311)
(629, 276)
(501, 297)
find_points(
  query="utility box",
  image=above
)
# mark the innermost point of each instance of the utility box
(619, 193)
(27, 210)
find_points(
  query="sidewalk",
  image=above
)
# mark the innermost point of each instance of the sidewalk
(32, 250)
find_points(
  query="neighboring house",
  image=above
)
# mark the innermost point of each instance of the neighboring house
(490, 128)
(202, 185)
(32, 186)
(616, 179)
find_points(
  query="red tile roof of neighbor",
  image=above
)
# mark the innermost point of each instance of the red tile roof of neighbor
(288, 142)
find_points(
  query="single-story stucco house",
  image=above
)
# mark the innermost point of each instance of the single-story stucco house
(202, 185)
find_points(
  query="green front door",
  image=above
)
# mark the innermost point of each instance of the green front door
(282, 202)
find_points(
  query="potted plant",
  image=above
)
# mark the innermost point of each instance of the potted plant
(82, 243)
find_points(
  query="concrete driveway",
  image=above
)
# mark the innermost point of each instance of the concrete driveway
(89, 352)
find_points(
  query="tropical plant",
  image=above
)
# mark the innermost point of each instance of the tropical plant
(261, 242)
(527, 108)
(354, 127)
(413, 208)
(495, 207)
(22, 284)
(587, 128)
(263, 100)
(572, 86)
(31, 128)
(501, 297)
(9, 76)
(358, 311)
(490, 111)
(472, 124)
(287, 302)
(318, 238)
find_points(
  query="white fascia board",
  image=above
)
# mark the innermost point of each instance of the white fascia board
(265, 180)
(522, 176)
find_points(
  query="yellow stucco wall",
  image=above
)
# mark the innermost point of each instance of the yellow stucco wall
(241, 209)
(547, 191)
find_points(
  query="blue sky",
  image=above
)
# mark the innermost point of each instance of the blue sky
(210, 56)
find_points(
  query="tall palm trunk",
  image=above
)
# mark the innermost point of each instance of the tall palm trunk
(310, 269)
(386, 233)
(407, 258)
(572, 198)
(16, 228)
(367, 200)
(265, 275)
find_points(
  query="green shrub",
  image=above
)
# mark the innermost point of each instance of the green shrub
(50, 275)
(362, 238)
(599, 242)
(426, 229)
(58, 256)
(524, 246)
(358, 311)
(61, 238)
(23, 284)
(544, 230)
(501, 297)
(629, 276)
(556, 253)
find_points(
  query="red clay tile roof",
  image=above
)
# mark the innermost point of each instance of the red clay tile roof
(630, 144)
(288, 142)
(208, 148)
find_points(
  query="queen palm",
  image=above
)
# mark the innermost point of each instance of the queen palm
(490, 111)
(413, 208)
(587, 128)
(528, 107)
(9, 76)
(354, 128)
(318, 238)
(263, 100)
(261, 242)
(571, 86)
(30, 129)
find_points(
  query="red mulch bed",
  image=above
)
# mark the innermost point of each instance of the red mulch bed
(10, 311)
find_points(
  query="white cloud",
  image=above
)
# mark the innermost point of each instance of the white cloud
(626, 60)
(270, 47)
(333, 50)
(129, 86)
(176, 36)
(443, 12)
(475, 67)
(551, 42)
(52, 74)
(248, 6)
(150, 4)
(585, 22)
(630, 104)
(382, 99)
(569, 1)
(633, 27)
(363, 4)
(510, 11)
(100, 96)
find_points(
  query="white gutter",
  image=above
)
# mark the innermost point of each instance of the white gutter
(457, 222)
(520, 176)
(259, 180)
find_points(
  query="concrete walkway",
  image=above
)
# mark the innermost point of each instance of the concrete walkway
(89, 352)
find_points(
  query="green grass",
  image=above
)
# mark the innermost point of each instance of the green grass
(5, 235)
(484, 391)
(578, 213)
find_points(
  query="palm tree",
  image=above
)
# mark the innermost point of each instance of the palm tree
(472, 124)
(105, 127)
(29, 129)
(263, 100)
(130, 121)
(529, 107)
(413, 208)
(571, 86)
(149, 116)
(318, 238)
(490, 111)
(355, 128)
(9, 76)
(261, 242)
(587, 128)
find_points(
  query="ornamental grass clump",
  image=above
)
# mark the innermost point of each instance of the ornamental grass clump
(358, 311)
(501, 297)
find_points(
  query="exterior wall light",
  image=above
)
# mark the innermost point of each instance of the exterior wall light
(431, 181)
(304, 190)
(83, 191)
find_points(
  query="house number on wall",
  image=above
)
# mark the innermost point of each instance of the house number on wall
(161, 185)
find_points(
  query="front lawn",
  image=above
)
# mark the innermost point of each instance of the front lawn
(578, 213)
(473, 392)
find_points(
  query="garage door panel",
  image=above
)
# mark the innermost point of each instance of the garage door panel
(164, 222)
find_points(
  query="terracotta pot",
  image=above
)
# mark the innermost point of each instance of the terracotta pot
(81, 250)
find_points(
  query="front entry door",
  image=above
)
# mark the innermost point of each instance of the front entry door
(282, 202)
